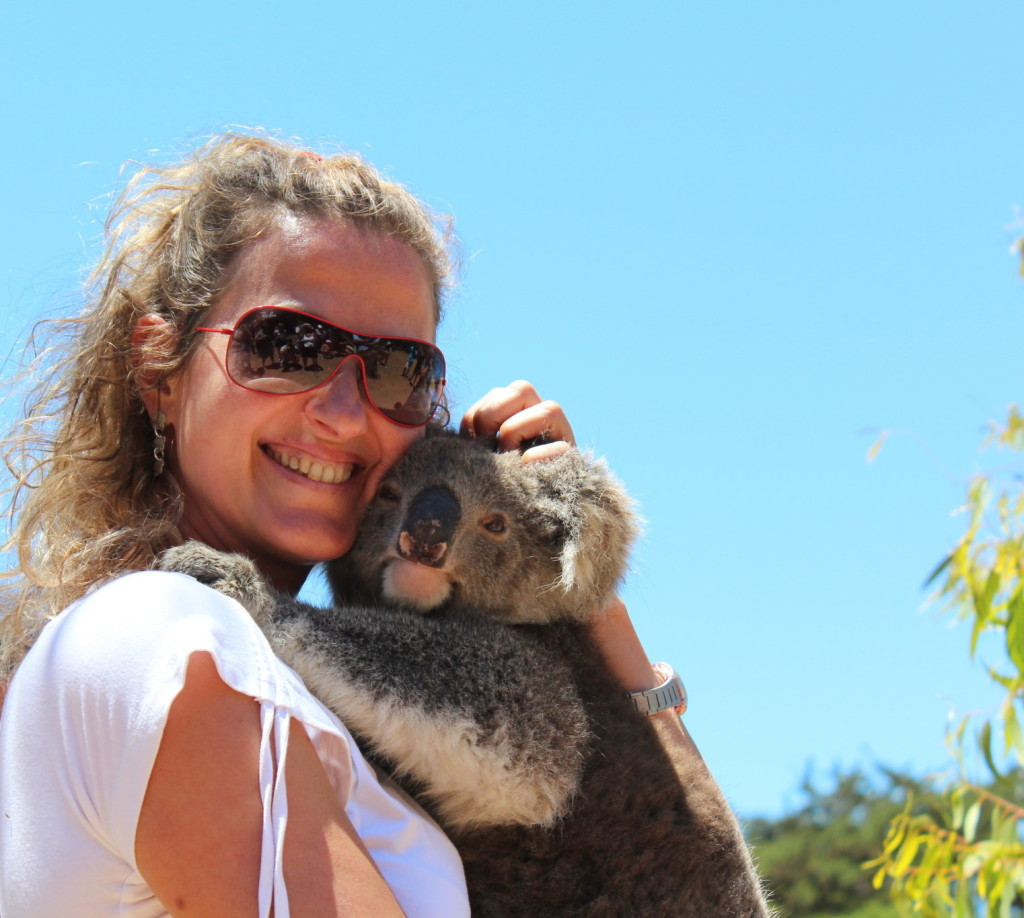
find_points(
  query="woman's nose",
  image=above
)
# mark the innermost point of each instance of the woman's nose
(341, 403)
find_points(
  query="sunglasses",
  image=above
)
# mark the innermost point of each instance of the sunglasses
(281, 351)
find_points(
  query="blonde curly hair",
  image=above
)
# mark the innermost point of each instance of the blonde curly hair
(85, 504)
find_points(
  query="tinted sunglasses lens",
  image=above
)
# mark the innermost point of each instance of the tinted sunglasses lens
(276, 352)
(283, 352)
(406, 387)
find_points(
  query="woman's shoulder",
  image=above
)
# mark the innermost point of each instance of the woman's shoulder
(146, 611)
(132, 638)
(156, 593)
(141, 628)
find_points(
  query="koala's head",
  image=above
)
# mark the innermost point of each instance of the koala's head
(456, 525)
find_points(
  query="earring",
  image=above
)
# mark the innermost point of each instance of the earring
(159, 443)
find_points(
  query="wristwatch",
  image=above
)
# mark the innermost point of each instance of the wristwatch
(670, 694)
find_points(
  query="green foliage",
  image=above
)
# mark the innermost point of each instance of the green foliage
(968, 860)
(873, 909)
(812, 859)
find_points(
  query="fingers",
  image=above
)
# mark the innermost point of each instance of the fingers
(544, 451)
(516, 413)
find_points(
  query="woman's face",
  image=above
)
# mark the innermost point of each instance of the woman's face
(232, 447)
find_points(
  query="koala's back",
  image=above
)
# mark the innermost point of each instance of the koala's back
(646, 838)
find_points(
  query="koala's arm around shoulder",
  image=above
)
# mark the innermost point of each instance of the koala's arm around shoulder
(450, 704)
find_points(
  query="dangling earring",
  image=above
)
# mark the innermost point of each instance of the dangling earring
(159, 443)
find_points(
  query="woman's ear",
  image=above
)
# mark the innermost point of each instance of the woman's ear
(153, 341)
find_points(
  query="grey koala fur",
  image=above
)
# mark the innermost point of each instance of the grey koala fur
(458, 653)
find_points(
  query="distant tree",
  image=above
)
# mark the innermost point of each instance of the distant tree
(812, 859)
(969, 860)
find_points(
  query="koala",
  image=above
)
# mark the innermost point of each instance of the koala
(457, 651)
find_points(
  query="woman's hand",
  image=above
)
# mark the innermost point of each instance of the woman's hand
(516, 413)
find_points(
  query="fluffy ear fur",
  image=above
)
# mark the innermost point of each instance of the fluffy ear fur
(600, 525)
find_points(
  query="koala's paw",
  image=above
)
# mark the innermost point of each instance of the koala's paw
(233, 575)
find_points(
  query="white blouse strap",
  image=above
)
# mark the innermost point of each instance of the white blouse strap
(274, 740)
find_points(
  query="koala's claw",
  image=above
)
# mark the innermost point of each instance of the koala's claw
(233, 575)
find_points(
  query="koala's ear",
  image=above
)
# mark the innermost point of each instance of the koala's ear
(600, 525)
(437, 431)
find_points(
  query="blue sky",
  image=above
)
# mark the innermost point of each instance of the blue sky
(737, 241)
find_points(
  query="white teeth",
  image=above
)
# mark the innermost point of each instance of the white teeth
(313, 470)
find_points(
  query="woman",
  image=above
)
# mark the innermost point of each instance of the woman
(137, 776)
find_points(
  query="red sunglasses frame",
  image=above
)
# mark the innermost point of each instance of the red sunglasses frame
(289, 311)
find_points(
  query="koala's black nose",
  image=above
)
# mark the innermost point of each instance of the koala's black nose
(429, 526)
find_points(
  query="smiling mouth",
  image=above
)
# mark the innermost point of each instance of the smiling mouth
(314, 470)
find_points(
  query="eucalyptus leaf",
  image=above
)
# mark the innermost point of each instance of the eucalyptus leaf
(1015, 632)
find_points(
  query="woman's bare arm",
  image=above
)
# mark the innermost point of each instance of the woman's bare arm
(617, 639)
(199, 834)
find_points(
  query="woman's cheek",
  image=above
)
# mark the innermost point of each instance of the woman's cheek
(394, 443)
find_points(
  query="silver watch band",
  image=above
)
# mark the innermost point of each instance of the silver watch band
(670, 694)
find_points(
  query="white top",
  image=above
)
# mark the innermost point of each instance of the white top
(80, 730)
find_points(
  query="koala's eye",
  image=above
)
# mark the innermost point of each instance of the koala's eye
(494, 524)
(388, 491)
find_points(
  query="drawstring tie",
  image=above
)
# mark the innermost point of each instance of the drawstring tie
(274, 722)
